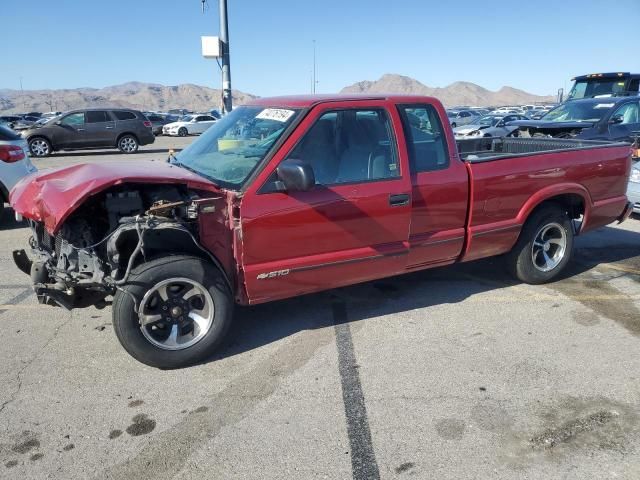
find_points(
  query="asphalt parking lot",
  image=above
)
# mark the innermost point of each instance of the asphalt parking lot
(453, 373)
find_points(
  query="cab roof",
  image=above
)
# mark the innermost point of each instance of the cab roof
(307, 101)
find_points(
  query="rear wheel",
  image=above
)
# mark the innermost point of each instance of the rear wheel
(544, 247)
(128, 144)
(184, 310)
(183, 132)
(40, 147)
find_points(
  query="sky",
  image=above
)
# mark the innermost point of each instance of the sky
(536, 46)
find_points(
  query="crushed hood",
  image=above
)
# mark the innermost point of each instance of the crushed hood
(52, 195)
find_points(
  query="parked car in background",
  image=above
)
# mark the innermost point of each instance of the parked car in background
(10, 119)
(461, 117)
(124, 129)
(489, 126)
(15, 163)
(158, 121)
(25, 122)
(614, 118)
(189, 125)
(600, 85)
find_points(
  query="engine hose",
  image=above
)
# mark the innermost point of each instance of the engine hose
(134, 255)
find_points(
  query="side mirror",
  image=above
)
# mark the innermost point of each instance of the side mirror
(59, 123)
(616, 119)
(295, 176)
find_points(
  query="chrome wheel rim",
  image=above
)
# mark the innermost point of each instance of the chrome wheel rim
(128, 144)
(176, 314)
(182, 132)
(549, 247)
(39, 148)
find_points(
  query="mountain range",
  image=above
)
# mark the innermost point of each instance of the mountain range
(138, 95)
(458, 93)
(151, 96)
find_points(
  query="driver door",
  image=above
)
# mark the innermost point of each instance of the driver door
(71, 131)
(351, 227)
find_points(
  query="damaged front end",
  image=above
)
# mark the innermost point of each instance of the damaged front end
(95, 250)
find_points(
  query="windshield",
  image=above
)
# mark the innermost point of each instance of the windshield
(578, 112)
(452, 114)
(489, 120)
(597, 87)
(230, 149)
(186, 118)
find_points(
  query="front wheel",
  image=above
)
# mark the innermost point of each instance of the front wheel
(128, 144)
(544, 247)
(40, 147)
(184, 310)
(183, 132)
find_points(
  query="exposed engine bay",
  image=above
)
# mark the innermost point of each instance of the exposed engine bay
(96, 248)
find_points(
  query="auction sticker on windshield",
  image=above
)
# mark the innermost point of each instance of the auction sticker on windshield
(277, 114)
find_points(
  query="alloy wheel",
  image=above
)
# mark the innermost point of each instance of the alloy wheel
(176, 314)
(549, 247)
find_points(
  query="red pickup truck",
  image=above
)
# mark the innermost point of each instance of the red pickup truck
(288, 196)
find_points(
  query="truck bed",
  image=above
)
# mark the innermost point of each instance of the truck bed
(486, 149)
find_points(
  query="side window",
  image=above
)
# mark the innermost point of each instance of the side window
(628, 112)
(346, 146)
(634, 85)
(465, 114)
(425, 139)
(124, 115)
(93, 116)
(74, 119)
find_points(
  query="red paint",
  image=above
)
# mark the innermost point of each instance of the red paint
(277, 245)
(52, 195)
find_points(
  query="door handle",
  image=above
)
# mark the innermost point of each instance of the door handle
(79, 129)
(399, 199)
(109, 128)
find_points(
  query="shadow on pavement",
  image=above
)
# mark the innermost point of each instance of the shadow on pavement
(8, 220)
(261, 325)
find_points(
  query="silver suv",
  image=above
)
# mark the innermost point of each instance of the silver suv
(15, 163)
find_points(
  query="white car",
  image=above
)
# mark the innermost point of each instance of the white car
(15, 163)
(189, 125)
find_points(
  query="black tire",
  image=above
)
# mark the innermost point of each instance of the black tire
(40, 147)
(128, 143)
(520, 260)
(145, 278)
(183, 132)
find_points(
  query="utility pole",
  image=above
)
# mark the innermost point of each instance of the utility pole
(24, 107)
(314, 81)
(226, 64)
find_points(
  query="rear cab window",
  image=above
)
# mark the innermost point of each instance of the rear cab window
(426, 141)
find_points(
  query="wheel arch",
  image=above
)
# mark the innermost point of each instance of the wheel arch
(127, 133)
(30, 138)
(573, 197)
(168, 239)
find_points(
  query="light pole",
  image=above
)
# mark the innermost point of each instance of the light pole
(226, 63)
